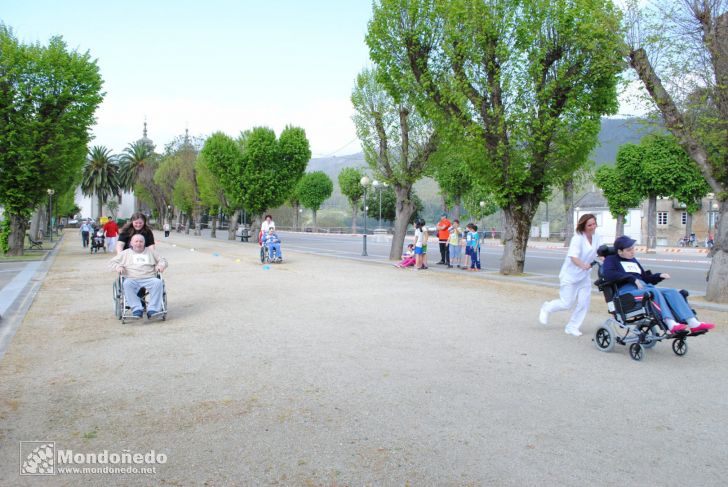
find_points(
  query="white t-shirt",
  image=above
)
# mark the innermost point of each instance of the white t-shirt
(582, 250)
(266, 225)
(418, 237)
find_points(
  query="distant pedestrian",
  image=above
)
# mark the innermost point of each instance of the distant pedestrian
(166, 229)
(453, 244)
(443, 234)
(86, 230)
(111, 232)
(574, 278)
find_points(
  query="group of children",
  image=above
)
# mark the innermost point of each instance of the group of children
(469, 238)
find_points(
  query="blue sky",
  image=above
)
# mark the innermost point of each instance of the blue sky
(213, 65)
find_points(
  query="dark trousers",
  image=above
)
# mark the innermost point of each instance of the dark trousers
(444, 254)
(84, 239)
(474, 253)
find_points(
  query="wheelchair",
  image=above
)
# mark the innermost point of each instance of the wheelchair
(264, 257)
(123, 311)
(634, 323)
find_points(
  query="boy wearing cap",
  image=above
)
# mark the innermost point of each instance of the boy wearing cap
(669, 302)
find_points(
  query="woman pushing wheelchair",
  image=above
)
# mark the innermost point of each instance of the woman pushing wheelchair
(633, 279)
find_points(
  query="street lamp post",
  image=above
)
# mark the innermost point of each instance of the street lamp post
(50, 213)
(365, 183)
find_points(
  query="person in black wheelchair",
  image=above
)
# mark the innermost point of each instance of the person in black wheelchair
(631, 278)
(141, 268)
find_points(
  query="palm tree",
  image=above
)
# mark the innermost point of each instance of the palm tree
(136, 166)
(100, 175)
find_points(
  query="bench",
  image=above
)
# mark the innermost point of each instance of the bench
(34, 244)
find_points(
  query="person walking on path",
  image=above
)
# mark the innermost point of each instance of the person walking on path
(111, 232)
(86, 230)
(166, 227)
(574, 277)
(443, 234)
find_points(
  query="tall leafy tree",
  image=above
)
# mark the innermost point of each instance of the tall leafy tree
(350, 185)
(698, 60)
(100, 176)
(137, 165)
(177, 170)
(620, 192)
(223, 157)
(659, 167)
(271, 167)
(398, 145)
(520, 85)
(48, 96)
(313, 189)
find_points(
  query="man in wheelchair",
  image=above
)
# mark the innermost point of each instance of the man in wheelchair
(139, 266)
(631, 277)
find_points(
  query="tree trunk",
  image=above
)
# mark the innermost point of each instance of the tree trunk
(213, 228)
(187, 221)
(233, 225)
(198, 223)
(652, 223)
(16, 239)
(101, 204)
(404, 209)
(569, 226)
(354, 212)
(718, 274)
(315, 227)
(456, 210)
(517, 225)
(35, 223)
(620, 226)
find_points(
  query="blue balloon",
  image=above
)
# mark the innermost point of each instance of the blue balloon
(266, 267)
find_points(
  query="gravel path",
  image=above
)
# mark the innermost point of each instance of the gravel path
(328, 372)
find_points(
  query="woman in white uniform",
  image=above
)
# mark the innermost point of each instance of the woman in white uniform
(575, 276)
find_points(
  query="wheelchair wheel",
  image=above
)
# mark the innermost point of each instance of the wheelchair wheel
(680, 347)
(604, 338)
(652, 335)
(118, 301)
(164, 302)
(636, 351)
(262, 254)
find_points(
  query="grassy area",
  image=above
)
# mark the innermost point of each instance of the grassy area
(29, 255)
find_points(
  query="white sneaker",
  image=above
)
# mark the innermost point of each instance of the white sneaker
(543, 315)
(573, 331)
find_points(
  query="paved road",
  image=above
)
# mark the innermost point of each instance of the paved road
(688, 269)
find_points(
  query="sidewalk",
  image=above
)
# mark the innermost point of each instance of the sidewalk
(325, 371)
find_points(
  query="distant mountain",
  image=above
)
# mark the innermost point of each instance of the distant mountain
(615, 132)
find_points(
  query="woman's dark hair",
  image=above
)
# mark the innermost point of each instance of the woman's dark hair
(583, 219)
(128, 228)
(473, 227)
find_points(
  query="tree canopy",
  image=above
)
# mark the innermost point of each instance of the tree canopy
(48, 96)
(521, 86)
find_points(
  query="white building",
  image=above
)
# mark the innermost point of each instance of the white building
(595, 203)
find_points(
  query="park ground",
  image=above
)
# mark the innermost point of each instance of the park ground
(323, 371)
